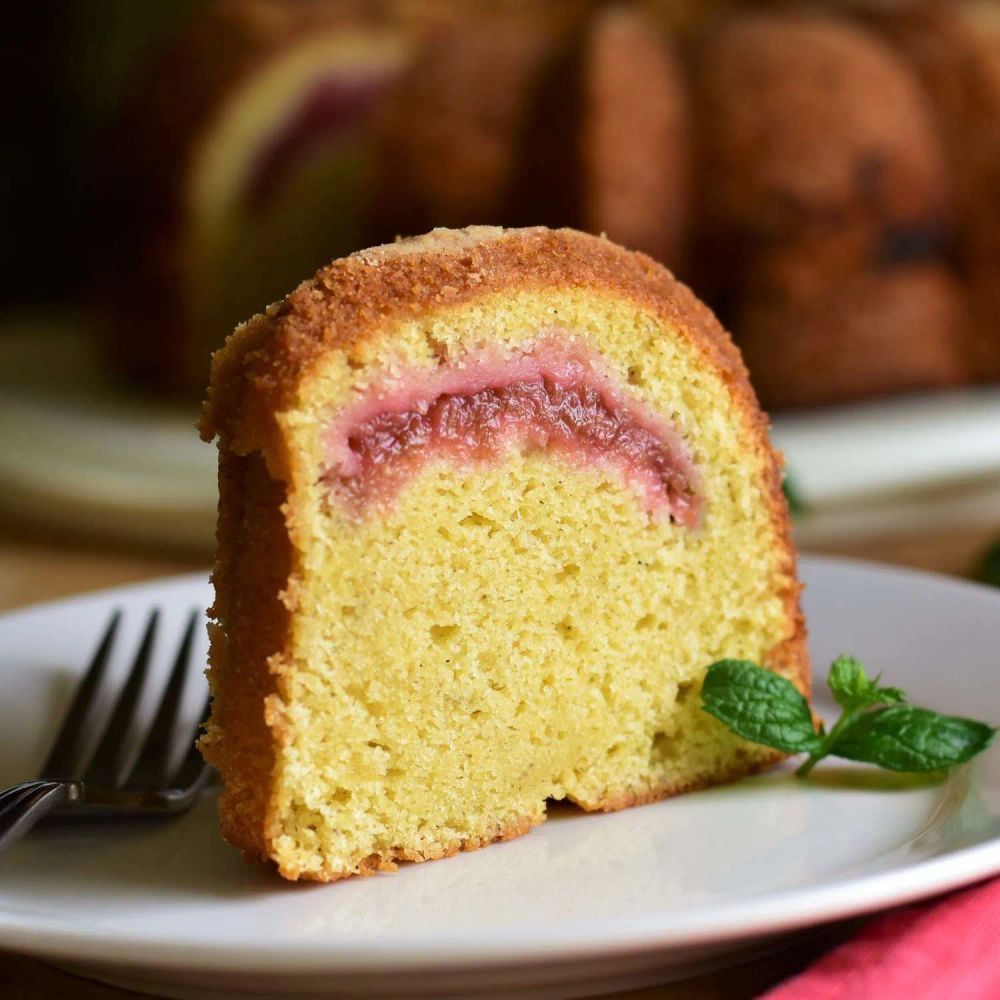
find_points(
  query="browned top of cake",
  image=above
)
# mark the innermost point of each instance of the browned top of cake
(258, 370)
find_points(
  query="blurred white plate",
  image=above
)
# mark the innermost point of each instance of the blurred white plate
(80, 452)
(585, 904)
(866, 449)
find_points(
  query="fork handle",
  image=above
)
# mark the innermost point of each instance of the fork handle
(23, 805)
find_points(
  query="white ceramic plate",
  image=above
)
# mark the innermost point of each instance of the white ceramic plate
(80, 452)
(584, 904)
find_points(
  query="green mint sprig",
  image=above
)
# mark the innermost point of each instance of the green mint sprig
(876, 726)
(988, 566)
(793, 496)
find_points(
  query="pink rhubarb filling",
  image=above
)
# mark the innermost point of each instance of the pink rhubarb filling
(556, 398)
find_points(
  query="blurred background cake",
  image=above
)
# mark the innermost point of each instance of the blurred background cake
(825, 174)
(824, 214)
(783, 158)
(449, 134)
(955, 51)
(240, 161)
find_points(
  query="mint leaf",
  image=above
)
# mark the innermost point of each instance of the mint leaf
(849, 682)
(793, 496)
(853, 690)
(890, 696)
(905, 738)
(988, 568)
(875, 727)
(759, 705)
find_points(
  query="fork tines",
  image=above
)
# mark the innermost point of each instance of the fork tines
(108, 765)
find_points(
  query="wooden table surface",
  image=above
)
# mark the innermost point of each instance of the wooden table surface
(36, 567)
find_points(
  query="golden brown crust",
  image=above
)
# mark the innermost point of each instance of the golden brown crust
(252, 566)
(256, 377)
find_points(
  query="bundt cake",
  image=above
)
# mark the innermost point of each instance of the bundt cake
(238, 166)
(491, 502)
(760, 149)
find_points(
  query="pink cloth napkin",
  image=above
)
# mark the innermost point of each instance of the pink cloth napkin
(948, 949)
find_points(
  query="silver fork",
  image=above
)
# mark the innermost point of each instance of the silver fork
(106, 786)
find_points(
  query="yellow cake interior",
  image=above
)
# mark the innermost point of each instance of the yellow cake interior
(519, 632)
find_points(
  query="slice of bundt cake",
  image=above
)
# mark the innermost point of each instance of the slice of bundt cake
(491, 502)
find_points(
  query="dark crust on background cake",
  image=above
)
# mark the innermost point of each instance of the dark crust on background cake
(957, 60)
(791, 145)
(822, 319)
(257, 374)
(635, 137)
(867, 335)
(604, 145)
(805, 118)
(823, 182)
(172, 109)
(447, 137)
(956, 55)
